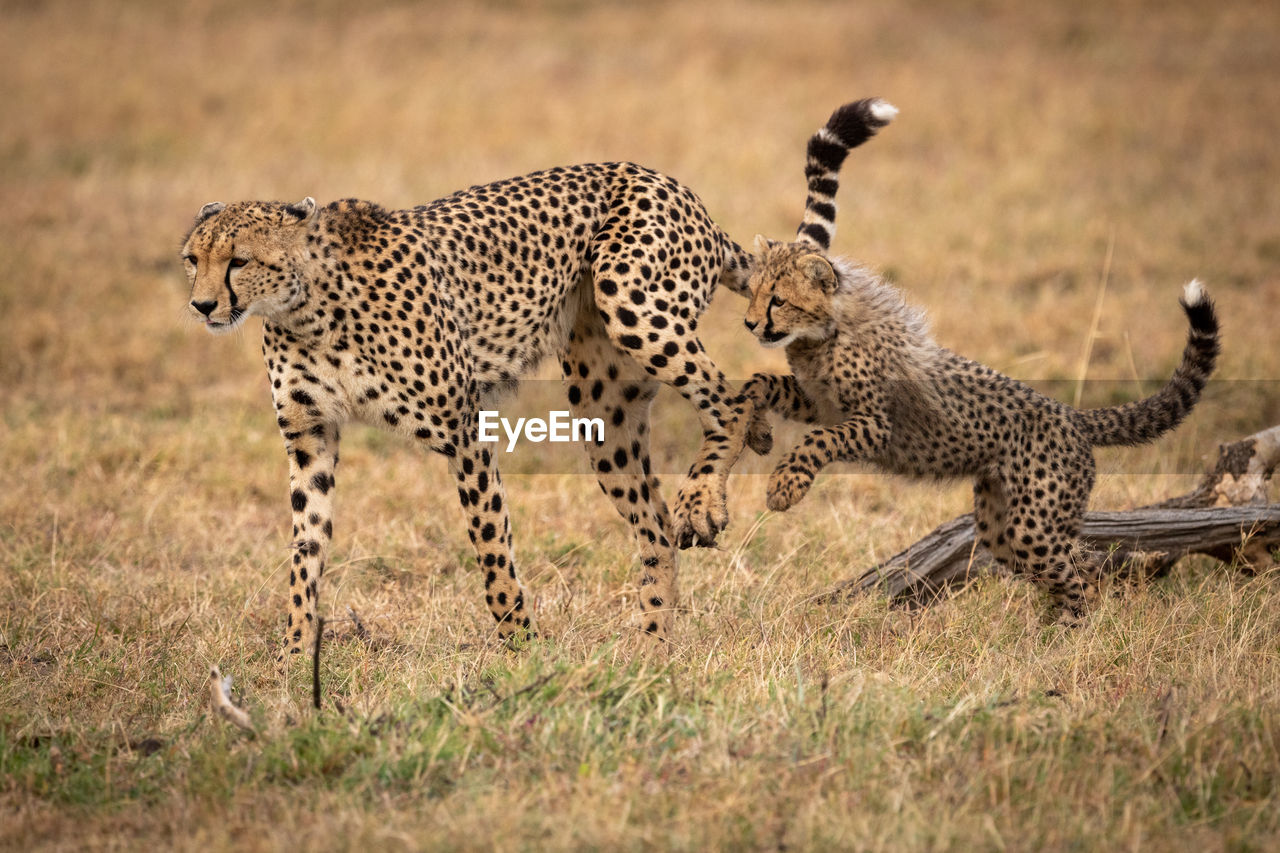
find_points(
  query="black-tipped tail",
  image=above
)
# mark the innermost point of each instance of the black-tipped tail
(848, 127)
(1145, 420)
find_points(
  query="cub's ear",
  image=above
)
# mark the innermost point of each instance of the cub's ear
(213, 208)
(762, 244)
(303, 211)
(819, 271)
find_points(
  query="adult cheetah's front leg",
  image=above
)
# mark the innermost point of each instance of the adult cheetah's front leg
(313, 460)
(485, 501)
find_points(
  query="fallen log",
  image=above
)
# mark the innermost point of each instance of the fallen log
(1226, 516)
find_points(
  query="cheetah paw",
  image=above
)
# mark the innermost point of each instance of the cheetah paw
(286, 656)
(656, 624)
(760, 436)
(1068, 618)
(700, 514)
(517, 634)
(787, 488)
(1075, 615)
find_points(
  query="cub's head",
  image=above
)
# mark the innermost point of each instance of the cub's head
(792, 286)
(245, 258)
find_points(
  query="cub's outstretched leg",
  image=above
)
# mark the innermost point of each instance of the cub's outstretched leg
(767, 392)
(859, 438)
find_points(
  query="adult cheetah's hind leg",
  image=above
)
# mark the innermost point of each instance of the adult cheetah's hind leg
(605, 384)
(646, 320)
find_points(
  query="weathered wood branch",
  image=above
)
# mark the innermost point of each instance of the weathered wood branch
(1226, 517)
(1239, 477)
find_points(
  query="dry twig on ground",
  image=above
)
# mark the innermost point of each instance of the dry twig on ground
(220, 698)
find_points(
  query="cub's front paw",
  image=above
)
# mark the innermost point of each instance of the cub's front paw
(787, 487)
(700, 513)
(759, 435)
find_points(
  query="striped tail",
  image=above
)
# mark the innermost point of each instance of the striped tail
(736, 271)
(1144, 420)
(848, 127)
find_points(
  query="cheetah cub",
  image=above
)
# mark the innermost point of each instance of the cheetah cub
(868, 375)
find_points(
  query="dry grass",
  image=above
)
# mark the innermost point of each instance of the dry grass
(143, 521)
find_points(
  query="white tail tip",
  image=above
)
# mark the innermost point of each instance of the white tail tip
(1193, 293)
(884, 111)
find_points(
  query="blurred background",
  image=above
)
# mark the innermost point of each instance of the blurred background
(1034, 144)
(1057, 172)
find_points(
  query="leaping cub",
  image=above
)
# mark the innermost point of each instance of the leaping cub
(868, 375)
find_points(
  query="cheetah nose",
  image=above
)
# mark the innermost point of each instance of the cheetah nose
(751, 326)
(204, 307)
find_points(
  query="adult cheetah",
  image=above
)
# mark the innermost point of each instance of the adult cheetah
(866, 371)
(415, 319)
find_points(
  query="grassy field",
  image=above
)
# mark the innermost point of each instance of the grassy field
(1046, 162)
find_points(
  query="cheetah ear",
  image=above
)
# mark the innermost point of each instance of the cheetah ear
(302, 212)
(211, 209)
(819, 271)
(762, 244)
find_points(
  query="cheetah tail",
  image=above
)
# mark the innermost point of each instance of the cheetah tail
(1144, 420)
(737, 267)
(848, 127)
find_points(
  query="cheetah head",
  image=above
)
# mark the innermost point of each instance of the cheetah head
(245, 258)
(792, 287)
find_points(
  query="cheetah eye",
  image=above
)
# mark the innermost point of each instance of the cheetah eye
(236, 263)
(191, 259)
(775, 302)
